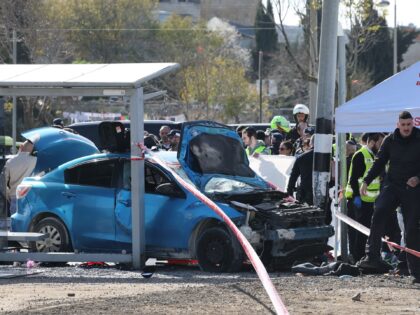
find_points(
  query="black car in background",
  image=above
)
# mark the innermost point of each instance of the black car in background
(256, 126)
(90, 129)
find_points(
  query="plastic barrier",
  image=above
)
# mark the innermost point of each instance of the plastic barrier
(248, 249)
(363, 229)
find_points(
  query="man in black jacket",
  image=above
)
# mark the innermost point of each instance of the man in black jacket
(402, 150)
(303, 168)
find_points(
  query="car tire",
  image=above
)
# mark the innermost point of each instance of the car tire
(218, 251)
(58, 241)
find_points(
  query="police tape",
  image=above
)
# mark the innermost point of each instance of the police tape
(248, 249)
(363, 229)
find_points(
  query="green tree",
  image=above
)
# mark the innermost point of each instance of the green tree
(212, 80)
(16, 15)
(377, 59)
(189, 44)
(405, 37)
(265, 28)
(220, 84)
(104, 30)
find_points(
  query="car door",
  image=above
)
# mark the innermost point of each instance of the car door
(91, 187)
(163, 210)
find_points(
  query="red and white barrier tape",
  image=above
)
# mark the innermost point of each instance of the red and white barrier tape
(249, 250)
(363, 229)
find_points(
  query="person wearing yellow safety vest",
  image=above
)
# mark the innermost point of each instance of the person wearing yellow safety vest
(254, 147)
(360, 208)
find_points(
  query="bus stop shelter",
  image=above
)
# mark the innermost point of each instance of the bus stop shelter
(107, 80)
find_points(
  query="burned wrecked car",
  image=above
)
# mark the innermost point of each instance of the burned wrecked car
(213, 158)
(85, 204)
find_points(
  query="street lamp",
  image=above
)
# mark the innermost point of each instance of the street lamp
(383, 4)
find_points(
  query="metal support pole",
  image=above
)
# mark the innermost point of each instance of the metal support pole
(137, 177)
(260, 57)
(341, 147)
(325, 101)
(3, 205)
(14, 111)
(395, 38)
(336, 166)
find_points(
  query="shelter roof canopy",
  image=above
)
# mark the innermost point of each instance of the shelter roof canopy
(128, 75)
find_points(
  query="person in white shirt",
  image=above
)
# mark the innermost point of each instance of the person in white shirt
(16, 169)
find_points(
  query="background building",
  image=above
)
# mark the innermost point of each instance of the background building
(238, 11)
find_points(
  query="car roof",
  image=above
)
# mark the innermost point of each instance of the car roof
(166, 156)
(125, 122)
(256, 126)
(90, 129)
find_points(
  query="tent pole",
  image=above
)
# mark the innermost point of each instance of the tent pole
(336, 202)
(341, 57)
(14, 110)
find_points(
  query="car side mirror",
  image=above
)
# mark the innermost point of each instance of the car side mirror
(169, 189)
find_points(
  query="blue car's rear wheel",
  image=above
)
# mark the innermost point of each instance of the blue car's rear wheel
(218, 251)
(58, 240)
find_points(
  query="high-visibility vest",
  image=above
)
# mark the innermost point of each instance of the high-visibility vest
(259, 149)
(374, 186)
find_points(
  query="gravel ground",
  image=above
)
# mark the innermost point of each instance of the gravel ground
(180, 290)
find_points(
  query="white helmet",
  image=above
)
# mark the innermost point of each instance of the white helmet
(300, 108)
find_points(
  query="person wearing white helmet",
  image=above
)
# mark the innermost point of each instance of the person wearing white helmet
(301, 115)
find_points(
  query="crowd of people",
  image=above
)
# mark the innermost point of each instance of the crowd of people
(281, 139)
(168, 139)
(382, 191)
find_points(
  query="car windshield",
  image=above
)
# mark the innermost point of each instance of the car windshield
(223, 185)
(219, 185)
(178, 169)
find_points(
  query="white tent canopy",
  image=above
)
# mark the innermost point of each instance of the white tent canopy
(377, 109)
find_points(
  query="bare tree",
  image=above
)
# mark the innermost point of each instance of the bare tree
(362, 37)
(283, 8)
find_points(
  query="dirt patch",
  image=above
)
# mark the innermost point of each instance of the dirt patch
(72, 290)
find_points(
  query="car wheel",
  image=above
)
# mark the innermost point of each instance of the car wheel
(218, 251)
(58, 240)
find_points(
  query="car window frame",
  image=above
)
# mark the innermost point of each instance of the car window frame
(147, 164)
(114, 183)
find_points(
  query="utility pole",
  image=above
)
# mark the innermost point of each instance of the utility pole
(260, 57)
(325, 101)
(14, 112)
(313, 57)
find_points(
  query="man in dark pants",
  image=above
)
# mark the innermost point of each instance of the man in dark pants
(360, 208)
(402, 150)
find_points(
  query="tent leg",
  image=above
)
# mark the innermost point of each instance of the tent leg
(336, 174)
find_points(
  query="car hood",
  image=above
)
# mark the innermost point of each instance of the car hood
(55, 146)
(208, 149)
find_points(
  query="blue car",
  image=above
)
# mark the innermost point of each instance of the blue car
(85, 205)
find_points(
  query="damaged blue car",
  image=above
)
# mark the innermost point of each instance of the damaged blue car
(85, 204)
